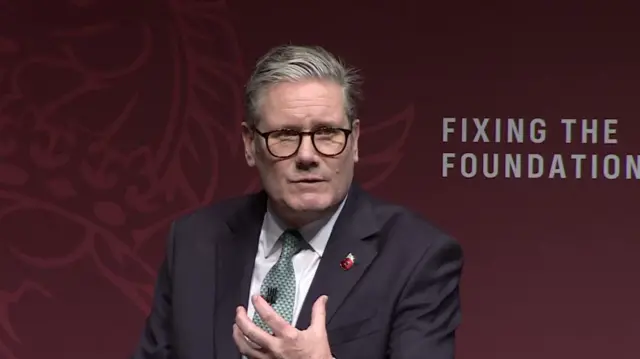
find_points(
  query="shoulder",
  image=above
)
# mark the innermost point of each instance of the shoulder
(220, 211)
(409, 232)
(420, 255)
(219, 217)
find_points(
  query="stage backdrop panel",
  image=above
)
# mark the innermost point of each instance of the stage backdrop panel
(513, 127)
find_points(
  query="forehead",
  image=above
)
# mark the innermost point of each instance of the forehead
(303, 104)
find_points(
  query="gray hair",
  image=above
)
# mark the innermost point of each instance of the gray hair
(289, 63)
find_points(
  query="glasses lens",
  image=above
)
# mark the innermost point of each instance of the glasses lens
(283, 143)
(330, 141)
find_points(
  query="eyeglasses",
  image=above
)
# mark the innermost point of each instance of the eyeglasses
(285, 143)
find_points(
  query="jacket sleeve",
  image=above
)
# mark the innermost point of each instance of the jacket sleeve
(428, 311)
(155, 341)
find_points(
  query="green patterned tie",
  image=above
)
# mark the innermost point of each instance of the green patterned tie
(280, 282)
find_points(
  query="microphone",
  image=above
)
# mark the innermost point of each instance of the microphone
(272, 295)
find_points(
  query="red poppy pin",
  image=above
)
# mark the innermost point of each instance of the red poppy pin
(348, 262)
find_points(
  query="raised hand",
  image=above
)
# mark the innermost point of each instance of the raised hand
(287, 342)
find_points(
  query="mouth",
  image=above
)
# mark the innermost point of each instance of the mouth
(308, 180)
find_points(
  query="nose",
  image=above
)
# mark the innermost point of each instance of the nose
(307, 156)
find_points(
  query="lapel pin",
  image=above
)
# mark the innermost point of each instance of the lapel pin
(348, 262)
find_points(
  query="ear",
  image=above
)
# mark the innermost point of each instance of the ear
(249, 148)
(355, 135)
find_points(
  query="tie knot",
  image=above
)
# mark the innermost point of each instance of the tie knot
(292, 242)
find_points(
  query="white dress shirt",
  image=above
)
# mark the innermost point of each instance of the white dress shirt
(305, 262)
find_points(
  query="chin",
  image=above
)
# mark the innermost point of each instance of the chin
(310, 202)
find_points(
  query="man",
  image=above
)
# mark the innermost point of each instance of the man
(312, 267)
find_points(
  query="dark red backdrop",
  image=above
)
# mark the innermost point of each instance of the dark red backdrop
(116, 117)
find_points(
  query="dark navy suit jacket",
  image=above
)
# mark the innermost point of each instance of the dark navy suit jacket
(399, 301)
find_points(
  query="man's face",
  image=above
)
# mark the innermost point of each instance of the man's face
(308, 181)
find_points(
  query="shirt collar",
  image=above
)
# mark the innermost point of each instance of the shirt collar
(316, 233)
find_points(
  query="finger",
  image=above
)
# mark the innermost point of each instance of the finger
(245, 348)
(243, 343)
(237, 331)
(319, 313)
(269, 316)
(252, 331)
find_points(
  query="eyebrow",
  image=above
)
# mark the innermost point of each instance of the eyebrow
(315, 123)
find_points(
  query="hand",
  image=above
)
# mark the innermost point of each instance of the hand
(287, 342)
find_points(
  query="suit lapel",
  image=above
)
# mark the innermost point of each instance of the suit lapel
(234, 264)
(352, 234)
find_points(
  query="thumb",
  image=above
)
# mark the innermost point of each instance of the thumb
(319, 313)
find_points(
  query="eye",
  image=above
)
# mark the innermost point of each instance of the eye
(326, 132)
(284, 135)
